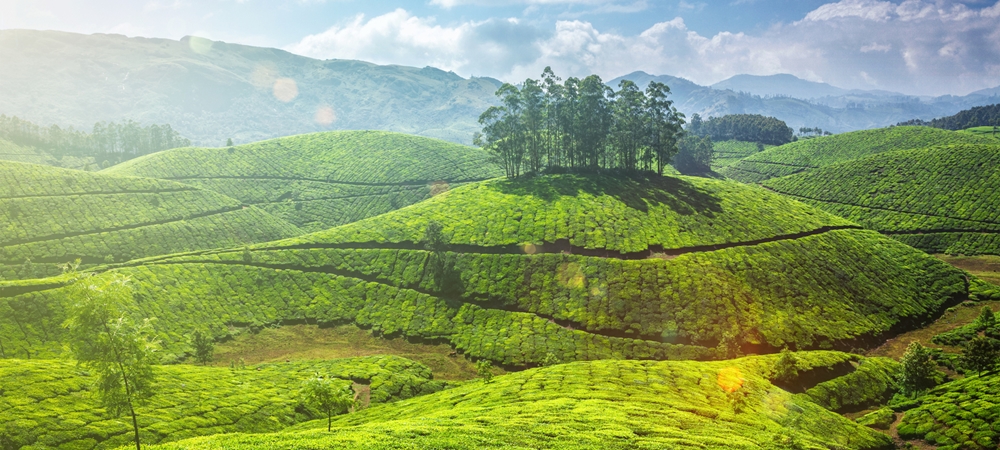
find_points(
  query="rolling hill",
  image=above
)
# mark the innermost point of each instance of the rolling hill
(810, 154)
(569, 267)
(320, 180)
(602, 404)
(958, 415)
(10, 151)
(50, 215)
(940, 199)
(727, 153)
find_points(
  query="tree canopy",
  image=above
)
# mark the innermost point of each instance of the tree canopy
(980, 116)
(743, 127)
(581, 124)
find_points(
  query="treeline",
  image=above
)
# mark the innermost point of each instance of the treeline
(581, 124)
(108, 141)
(742, 127)
(980, 116)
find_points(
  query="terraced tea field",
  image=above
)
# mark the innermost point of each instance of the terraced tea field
(317, 181)
(727, 153)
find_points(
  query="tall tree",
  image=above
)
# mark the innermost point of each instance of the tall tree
(105, 339)
(919, 370)
(329, 396)
(203, 347)
(981, 354)
(664, 124)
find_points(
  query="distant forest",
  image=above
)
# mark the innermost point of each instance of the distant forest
(980, 116)
(743, 127)
(581, 124)
(109, 142)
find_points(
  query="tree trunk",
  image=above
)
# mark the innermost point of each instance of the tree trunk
(329, 422)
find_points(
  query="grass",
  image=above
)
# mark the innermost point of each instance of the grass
(807, 155)
(953, 318)
(309, 342)
(320, 180)
(940, 199)
(52, 215)
(984, 267)
(51, 404)
(598, 404)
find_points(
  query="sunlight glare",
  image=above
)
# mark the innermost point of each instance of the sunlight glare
(285, 90)
(730, 379)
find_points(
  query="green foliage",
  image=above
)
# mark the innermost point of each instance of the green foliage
(674, 404)
(694, 155)
(786, 368)
(727, 153)
(329, 395)
(919, 371)
(981, 354)
(872, 382)
(203, 347)
(106, 340)
(744, 127)
(881, 419)
(320, 180)
(60, 215)
(484, 369)
(810, 154)
(49, 403)
(938, 199)
(978, 116)
(962, 414)
(985, 323)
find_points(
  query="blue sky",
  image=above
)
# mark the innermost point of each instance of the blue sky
(927, 47)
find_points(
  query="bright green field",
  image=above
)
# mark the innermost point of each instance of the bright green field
(320, 180)
(940, 199)
(52, 404)
(776, 277)
(51, 215)
(810, 154)
(599, 404)
(727, 153)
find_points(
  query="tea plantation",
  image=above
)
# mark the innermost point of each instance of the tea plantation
(727, 153)
(10, 151)
(806, 155)
(599, 404)
(963, 414)
(320, 180)
(794, 277)
(940, 199)
(51, 403)
(50, 215)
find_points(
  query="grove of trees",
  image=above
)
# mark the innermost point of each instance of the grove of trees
(581, 124)
(108, 141)
(979, 116)
(742, 127)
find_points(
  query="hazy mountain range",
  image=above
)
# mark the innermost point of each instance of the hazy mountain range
(211, 91)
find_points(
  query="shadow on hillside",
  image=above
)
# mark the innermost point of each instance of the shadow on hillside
(635, 191)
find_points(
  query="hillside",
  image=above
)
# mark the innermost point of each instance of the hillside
(50, 215)
(576, 267)
(727, 153)
(939, 199)
(210, 91)
(320, 180)
(600, 404)
(10, 151)
(823, 151)
(52, 403)
(957, 415)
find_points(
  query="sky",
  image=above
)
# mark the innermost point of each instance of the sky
(918, 47)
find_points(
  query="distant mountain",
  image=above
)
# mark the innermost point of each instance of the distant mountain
(211, 91)
(846, 111)
(779, 85)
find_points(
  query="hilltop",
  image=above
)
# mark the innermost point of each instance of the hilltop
(320, 180)
(51, 215)
(810, 154)
(572, 266)
(608, 404)
(210, 91)
(940, 199)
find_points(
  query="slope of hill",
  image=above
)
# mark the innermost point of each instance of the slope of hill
(958, 415)
(52, 215)
(51, 403)
(823, 151)
(600, 404)
(781, 84)
(940, 199)
(727, 153)
(211, 91)
(10, 151)
(320, 180)
(576, 267)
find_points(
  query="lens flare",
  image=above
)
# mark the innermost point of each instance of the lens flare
(529, 248)
(325, 116)
(200, 45)
(571, 275)
(285, 90)
(730, 379)
(263, 76)
(439, 187)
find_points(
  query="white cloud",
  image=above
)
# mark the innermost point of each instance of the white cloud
(453, 3)
(917, 46)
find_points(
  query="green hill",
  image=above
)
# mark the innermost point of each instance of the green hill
(10, 151)
(810, 154)
(941, 199)
(51, 403)
(727, 153)
(567, 267)
(961, 414)
(317, 181)
(600, 404)
(50, 215)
